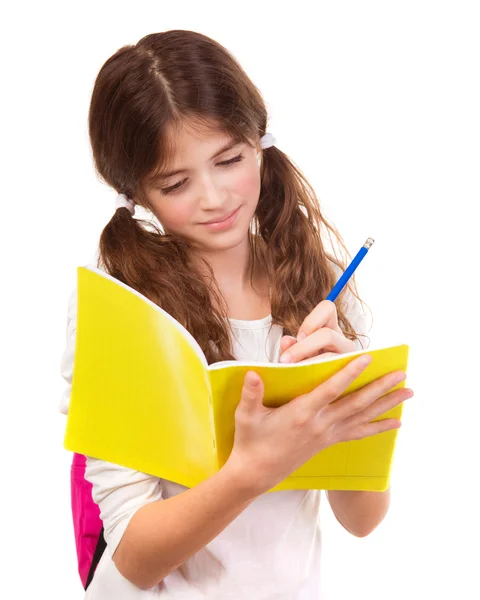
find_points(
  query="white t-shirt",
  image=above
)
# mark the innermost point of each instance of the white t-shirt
(271, 551)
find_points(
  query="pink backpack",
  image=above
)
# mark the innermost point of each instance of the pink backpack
(87, 525)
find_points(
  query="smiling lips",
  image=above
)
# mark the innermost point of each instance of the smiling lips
(219, 220)
(223, 223)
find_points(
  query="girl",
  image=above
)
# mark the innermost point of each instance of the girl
(236, 256)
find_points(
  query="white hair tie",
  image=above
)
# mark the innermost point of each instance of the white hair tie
(122, 200)
(267, 140)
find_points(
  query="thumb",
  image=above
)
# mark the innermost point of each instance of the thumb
(252, 392)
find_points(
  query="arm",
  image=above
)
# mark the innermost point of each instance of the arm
(359, 512)
(164, 534)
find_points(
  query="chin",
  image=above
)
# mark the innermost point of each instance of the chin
(226, 241)
(219, 241)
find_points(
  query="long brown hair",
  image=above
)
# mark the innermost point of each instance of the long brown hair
(163, 80)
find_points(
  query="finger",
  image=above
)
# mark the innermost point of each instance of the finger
(370, 429)
(335, 386)
(322, 340)
(323, 315)
(325, 355)
(286, 342)
(378, 408)
(362, 398)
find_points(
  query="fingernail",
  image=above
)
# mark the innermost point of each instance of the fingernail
(399, 377)
(301, 336)
(285, 358)
(365, 360)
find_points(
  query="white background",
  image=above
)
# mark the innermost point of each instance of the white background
(379, 104)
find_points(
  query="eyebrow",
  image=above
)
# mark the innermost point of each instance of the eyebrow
(224, 148)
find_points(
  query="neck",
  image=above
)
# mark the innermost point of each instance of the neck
(231, 267)
(245, 299)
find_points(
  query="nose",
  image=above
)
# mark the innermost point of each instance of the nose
(212, 193)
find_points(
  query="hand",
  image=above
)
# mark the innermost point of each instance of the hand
(319, 334)
(278, 441)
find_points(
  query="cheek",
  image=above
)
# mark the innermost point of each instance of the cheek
(181, 215)
(247, 185)
(174, 217)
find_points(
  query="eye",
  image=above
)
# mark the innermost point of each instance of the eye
(225, 163)
(233, 160)
(173, 187)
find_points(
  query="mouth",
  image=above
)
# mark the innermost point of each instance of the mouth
(221, 219)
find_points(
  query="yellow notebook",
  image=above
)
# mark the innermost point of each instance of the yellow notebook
(143, 396)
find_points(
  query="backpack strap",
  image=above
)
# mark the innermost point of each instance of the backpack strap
(97, 555)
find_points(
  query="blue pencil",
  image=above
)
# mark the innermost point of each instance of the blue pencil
(349, 271)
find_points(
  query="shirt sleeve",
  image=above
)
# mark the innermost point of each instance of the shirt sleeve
(118, 491)
(66, 364)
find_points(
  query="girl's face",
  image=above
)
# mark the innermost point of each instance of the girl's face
(217, 180)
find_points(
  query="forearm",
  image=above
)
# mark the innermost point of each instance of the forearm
(358, 511)
(164, 534)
